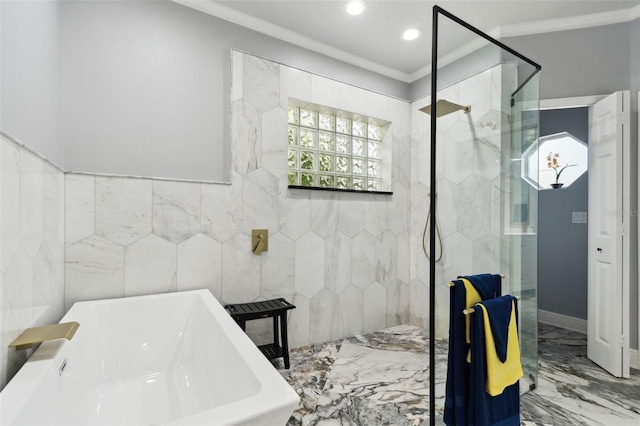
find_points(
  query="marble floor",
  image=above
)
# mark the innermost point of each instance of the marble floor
(382, 378)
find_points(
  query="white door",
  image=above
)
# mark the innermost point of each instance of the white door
(608, 286)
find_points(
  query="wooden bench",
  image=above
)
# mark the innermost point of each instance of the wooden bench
(276, 309)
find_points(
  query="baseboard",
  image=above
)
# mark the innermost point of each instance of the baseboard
(563, 321)
(580, 325)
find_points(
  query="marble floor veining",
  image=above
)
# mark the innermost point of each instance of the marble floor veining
(382, 378)
(572, 390)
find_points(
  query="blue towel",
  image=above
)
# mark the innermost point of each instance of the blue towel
(457, 385)
(488, 285)
(499, 311)
(484, 409)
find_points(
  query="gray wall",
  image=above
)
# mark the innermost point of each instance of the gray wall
(31, 72)
(562, 245)
(579, 62)
(146, 87)
(593, 61)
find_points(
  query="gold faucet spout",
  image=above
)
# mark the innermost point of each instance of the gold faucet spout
(34, 335)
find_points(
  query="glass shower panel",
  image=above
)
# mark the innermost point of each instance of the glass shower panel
(520, 201)
(469, 151)
(486, 213)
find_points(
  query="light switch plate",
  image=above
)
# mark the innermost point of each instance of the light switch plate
(579, 217)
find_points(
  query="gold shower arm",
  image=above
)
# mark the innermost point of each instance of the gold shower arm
(34, 335)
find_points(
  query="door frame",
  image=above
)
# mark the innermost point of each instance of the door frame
(588, 101)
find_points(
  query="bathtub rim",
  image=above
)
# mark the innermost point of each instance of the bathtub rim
(274, 392)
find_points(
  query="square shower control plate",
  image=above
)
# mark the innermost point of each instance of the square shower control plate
(260, 235)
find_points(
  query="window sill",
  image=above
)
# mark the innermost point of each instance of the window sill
(357, 191)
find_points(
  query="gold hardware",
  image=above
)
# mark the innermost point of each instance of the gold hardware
(472, 310)
(444, 107)
(259, 240)
(34, 335)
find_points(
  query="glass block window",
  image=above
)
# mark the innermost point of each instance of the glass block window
(334, 150)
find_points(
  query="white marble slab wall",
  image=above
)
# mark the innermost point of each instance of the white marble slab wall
(341, 258)
(31, 248)
(469, 169)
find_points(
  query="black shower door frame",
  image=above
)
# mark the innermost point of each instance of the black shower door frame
(437, 11)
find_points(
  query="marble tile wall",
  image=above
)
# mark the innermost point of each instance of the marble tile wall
(469, 185)
(341, 258)
(351, 263)
(31, 248)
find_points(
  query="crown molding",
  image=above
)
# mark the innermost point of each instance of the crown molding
(225, 13)
(211, 7)
(572, 23)
(453, 56)
(538, 27)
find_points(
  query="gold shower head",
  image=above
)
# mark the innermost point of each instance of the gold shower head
(444, 107)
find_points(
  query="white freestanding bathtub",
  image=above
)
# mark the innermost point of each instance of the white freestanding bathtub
(175, 358)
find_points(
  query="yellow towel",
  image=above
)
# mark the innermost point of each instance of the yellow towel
(499, 374)
(472, 297)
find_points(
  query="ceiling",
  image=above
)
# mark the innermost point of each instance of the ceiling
(373, 40)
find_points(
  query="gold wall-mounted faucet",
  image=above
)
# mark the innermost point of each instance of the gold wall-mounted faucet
(34, 335)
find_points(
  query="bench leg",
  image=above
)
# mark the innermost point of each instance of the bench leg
(283, 338)
(275, 330)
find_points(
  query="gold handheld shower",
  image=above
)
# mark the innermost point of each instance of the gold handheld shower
(425, 233)
(444, 107)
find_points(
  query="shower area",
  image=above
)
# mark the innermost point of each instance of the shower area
(485, 212)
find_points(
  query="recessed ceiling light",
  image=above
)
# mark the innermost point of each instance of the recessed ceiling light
(411, 34)
(355, 7)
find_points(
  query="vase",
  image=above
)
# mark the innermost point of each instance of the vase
(557, 185)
